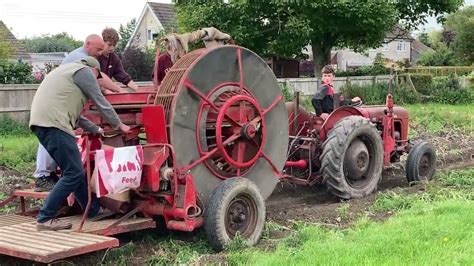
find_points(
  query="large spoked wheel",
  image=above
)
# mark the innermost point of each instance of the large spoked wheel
(226, 117)
(352, 158)
(236, 207)
(421, 162)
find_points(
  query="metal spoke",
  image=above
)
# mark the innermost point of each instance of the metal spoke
(241, 147)
(254, 142)
(241, 72)
(210, 153)
(273, 104)
(270, 163)
(211, 104)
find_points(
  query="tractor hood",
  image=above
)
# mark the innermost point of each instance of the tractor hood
(377, 112)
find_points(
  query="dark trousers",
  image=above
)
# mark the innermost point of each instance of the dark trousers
(326, 105)
(63, 148)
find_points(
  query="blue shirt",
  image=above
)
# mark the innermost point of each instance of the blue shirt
(78, 54)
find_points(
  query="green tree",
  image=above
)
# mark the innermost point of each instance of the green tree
(424, 38)
(461, 23)
(277, 27)
(443, 56)
(61, 42)
(125, 33)
(5, 48)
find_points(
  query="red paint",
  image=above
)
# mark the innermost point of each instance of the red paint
(155, 124)
(302, 164)
(388, 134)
(220, 121)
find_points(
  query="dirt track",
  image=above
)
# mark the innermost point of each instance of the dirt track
(315, 205)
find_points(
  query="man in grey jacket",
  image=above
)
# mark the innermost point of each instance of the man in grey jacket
(55, 112)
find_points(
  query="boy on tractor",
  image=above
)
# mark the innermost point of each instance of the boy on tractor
(323, 100)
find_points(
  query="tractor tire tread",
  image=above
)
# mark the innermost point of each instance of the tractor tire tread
(414, 155)
(333, 154)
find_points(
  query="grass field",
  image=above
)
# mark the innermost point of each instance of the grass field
(430, 228)
(18, 152)
(437, 118)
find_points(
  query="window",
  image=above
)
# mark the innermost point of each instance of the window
(401, 46)
(149, 35)
(385, 47)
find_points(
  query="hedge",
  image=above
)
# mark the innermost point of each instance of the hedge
(376, 94)
(423, 82)
(448, 90)
(15, 73)
(441, 90)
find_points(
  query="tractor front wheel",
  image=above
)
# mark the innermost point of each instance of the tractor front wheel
(236, 207)
(352, 158)
(421, 162)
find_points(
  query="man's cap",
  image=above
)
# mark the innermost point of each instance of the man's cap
(90, 61)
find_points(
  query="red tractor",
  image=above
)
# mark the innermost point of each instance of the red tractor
(348, 149)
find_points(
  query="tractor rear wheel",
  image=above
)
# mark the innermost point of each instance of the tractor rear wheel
(236, 207)
(421, 162)
(352, 158)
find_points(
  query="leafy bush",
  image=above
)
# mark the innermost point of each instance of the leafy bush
(376, 94)
(423, 82)
(459, 96)
(138, 63)
(378, 68)
(448, 90)
(9, 127)
(442, 57)
(364, 71)
(15, 73)
(287, 93)
(61, 42)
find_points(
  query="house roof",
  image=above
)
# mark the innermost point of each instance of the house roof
(398, 33)
(19, 50)
(419, 47)
(165, 13)
(52, 56)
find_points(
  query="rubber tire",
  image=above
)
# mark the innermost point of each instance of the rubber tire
(334, 149)
(414, 157)
(214, 215)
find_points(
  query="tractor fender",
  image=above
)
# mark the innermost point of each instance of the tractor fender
(337, 115)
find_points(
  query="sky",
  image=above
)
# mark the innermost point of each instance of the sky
(28, 18)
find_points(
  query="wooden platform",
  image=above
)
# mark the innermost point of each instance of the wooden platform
(19, 237)
(30, 193)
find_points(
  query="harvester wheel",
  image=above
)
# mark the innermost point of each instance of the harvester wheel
(235, 207)
(352, 158)
(421, 162)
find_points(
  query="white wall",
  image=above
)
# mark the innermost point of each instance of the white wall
(391, 51)
(149, 22)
